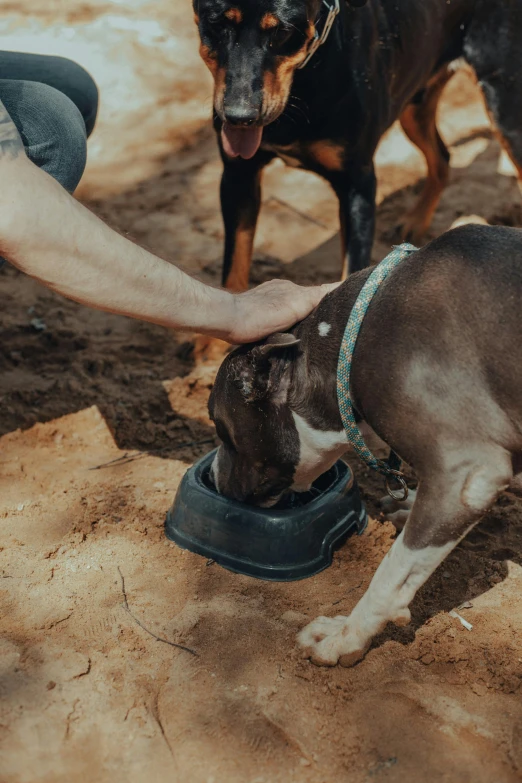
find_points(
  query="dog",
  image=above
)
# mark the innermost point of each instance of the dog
(381, 60)
(436, 375)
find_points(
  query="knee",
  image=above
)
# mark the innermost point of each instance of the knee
(61, 149)
(81, 88)
(52, 129)
(484, 483)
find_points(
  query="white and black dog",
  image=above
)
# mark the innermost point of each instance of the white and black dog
(436, 374)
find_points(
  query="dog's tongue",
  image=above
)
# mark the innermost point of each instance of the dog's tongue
(241, 142)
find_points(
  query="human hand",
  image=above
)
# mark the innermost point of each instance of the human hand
(272, 307)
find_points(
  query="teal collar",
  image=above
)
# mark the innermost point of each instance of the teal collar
(390, 467)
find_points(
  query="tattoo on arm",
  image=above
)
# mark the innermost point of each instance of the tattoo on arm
(10, 142)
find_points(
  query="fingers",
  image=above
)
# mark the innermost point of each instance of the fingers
(275, 306)
(302, 300)
(315, 294)
(327, 288)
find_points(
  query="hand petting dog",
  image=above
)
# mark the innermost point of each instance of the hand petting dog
(272, 307)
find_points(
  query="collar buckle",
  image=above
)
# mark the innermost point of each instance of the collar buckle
(318, 40)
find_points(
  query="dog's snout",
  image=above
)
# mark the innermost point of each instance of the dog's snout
(241, 116)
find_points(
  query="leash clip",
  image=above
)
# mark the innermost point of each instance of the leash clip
(399, 495)
(319, 40)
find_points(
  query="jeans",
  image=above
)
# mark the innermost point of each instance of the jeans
(53, 102)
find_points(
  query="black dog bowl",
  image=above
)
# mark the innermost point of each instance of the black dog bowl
(293, 540)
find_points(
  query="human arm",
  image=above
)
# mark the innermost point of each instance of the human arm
(53, 238)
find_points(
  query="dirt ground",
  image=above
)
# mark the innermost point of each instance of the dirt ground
(87, 693)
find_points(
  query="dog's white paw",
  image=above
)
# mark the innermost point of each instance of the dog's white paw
(398, 519)
(397, 512)
(331, 640)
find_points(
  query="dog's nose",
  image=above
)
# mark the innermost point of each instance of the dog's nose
(240, 116)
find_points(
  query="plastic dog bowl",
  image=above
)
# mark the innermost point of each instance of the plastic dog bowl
(293, 540)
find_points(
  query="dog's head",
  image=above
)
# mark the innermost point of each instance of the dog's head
(267, 448)
(252, 48)
(259, 447)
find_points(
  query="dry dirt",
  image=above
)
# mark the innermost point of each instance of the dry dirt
(87, 694)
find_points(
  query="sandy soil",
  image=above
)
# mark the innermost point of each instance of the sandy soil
(87, 693)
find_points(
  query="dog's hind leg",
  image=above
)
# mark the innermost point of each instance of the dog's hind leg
(497, 62)
(449, 501)
(418, 121)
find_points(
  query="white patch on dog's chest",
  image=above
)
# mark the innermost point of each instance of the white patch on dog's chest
(324, 329)
(318, 451)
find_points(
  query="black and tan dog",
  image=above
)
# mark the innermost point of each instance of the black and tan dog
(436, 374)
(388, 59)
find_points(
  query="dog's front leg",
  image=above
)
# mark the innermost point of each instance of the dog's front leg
(240, 204)
(445, 508)
(329, 640)
(355, 188)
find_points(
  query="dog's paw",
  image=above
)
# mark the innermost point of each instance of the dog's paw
(397, 512)
(331, 640)
(397, 518)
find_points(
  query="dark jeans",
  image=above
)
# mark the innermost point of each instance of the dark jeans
(53, 102)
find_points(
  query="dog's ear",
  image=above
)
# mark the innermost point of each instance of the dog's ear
(257, 374)
(276, 342)
(357, 3)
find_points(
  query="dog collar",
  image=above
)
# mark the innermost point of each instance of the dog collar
(389, 468)
(318, 40)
